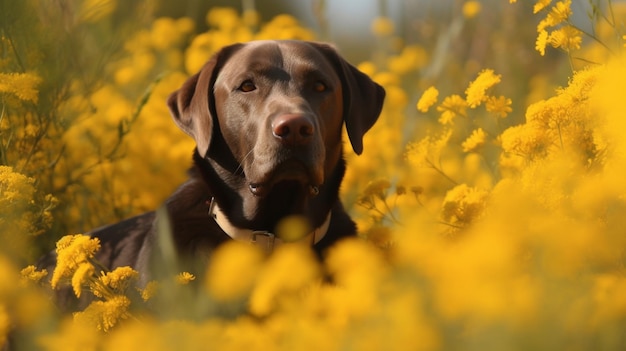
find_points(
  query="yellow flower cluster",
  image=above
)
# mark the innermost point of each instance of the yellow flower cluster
(117, 281)
(30, 273)
(501, 106)
(556, 29)
(431, 157)
(559, 123)
(16, 191)
(463, 204)
(25, 310)
(25, 211)
(451, 107)
(75, 260)
(104, 315)
(184, 278)
(73, 253)
(475, 93)
(22, 85)
(474, 141)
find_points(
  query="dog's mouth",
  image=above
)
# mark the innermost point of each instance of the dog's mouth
(288, 173)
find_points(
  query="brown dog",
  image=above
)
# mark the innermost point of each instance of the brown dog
(267, 119)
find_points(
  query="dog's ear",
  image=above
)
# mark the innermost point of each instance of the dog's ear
(362, 97)
(192, 106)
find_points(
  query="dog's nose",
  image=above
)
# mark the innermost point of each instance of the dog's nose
(293, 129)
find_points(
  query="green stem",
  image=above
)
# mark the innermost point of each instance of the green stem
(592, 36)
(441, 172)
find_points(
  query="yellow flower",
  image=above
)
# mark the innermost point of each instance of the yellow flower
(560, 123)
(396, 97)
(104, 315)
(149, 291)
(82, 275)
(429, 98)
(559, 13)
(284, 26)
(292, 228)
(386, 79)
(542, 42)
(199, 51)
(185, 25)
(72, 250)
(164, 34)
(566, 38)
(382, 26)
(471, 9)
(475, 92)
(21, 215)
(22, 85)
(358, 269)
(15, 187)
(525, 140)
(31, 273)
(411, 58)
(501, 106)
(540, 5)
(289, 269)
(377, 188)
(117, 281)
(223, 18)
(125, 75)
(452, 106)
(367, 67)
(184, 278)
(70, 336)
(427, 151)
(463, 204)
(231, 279)
(475, 140)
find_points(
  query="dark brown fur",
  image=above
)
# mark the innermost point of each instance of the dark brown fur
(246, 159)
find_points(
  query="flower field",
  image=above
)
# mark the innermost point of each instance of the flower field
(490, 197)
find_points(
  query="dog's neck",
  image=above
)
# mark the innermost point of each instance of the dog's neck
(247, 211)
(264, 239)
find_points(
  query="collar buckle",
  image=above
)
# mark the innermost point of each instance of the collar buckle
(270, 239)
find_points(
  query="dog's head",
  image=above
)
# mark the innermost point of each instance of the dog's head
(278, 106)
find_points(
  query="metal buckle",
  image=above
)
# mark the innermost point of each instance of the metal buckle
(270, 238)
(211, 208)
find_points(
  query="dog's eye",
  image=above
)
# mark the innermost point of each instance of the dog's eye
(320, 87)
(247, 86)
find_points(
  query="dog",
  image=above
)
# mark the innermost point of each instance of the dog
(267, 119)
